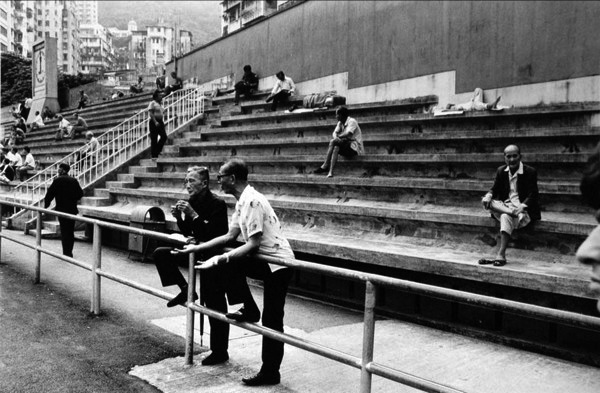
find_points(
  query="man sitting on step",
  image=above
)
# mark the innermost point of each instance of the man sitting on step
(79, 126)
(513, 199)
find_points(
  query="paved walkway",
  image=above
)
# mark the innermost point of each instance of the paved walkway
(49, 343)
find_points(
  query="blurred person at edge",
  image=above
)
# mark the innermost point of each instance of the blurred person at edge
(589, 252)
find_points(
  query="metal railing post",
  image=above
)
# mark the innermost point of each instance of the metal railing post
(189, 334)
(38, 242)
(368, 337)
(97, 264)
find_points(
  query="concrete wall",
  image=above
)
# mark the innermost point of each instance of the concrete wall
(491, 45)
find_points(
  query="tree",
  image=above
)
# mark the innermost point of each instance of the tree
(16, 78)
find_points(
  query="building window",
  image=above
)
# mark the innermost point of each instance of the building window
(39, 23)
(47, 34)
(39, 34)
(39, 12)
(48, 23)
(65, 56)
(3, 14)
(3, 31)
(3, 48)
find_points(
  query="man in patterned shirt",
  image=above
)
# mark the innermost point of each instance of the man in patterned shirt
(259, 226)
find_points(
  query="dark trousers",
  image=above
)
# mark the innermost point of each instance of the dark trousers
(282, 96)
(171, 88)
(275, 289)
(156, 144)
(67, 235)
(81, 105)
(242, 88)
(214, 284)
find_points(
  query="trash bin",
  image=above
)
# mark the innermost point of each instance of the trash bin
(151, 218)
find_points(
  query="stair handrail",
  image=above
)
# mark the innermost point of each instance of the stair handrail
(117, 145)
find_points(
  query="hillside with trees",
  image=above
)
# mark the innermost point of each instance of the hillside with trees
(202, 18)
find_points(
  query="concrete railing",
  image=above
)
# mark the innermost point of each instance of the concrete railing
(365, 363)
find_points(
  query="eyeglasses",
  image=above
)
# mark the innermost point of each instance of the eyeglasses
(219, 177)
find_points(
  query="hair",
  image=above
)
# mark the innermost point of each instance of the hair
(140, 78)
(27, 149)
(342, 111)
(156, 94)
(37, 112)
(517, 146)
(238, 168)
(89, 133)
(15, 150)
(173, 74)
(6, 161)
(59, 117)
(81, 91)
(65, 167)
(590, 182)
(280, 74)
(201, 171)
(76, 114)
(247, 68)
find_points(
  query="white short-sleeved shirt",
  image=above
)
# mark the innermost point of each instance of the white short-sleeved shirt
(351, 126)
(286, 84)
(64, 123)
(253, 214)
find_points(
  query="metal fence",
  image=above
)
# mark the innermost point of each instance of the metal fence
(365, 363)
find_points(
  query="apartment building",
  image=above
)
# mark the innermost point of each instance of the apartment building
(87, 12)
(58, 19)
(97, 52)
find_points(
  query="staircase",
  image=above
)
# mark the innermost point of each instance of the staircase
(119, 145)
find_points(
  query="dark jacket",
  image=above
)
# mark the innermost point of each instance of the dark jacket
(9, 172)
(251, 79)
(67, 191)
(526, 186)
(211, 221)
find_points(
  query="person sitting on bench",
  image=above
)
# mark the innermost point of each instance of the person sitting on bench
(347, 141)
(247, 85)
(512, 200)
(138, 87)
(79, 126)
(176, 85)
(283, 89)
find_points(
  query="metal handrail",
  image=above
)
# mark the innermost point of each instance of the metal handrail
(366, 364)
(116, 146)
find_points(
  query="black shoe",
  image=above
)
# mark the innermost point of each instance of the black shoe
(320, 170)
(180, 299)
(215, 358)
(242, 315)
(262, 379)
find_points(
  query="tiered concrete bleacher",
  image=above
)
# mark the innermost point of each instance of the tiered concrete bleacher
(411, 205)
(418, 187)
(100, 117)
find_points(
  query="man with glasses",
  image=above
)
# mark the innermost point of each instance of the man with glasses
(513, 199)
(203, 217)
(259, 226)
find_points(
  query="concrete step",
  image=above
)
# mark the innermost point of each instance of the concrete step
(559, 196)
(382, 109)
(558, 232)
(550, 166)
(553, 273)
(102, 192)
(96, 201)
(548, 140)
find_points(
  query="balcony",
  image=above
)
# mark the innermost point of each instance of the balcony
(227, 4)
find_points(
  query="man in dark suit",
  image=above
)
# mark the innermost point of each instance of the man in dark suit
(202, 218)
(67, 192)
(513, 199)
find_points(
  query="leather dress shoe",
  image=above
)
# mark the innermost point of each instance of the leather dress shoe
(244, 316)
(215, 358)
(180, 299)
(320, 170)
(262, 379)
